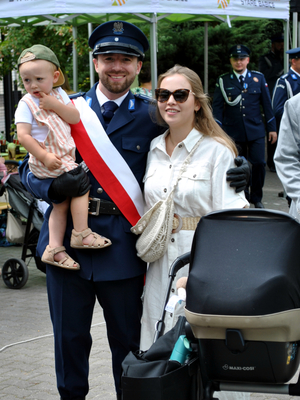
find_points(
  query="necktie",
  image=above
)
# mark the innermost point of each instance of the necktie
(109, 110)
(242, 80)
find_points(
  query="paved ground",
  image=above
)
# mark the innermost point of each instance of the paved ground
(26, 341)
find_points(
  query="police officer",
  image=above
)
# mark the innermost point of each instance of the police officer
(271, 65)
(236, 107)
(288, 85)
(114, 275)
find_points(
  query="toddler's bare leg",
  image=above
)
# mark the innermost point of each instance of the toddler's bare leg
(58, 223)
(57, 228)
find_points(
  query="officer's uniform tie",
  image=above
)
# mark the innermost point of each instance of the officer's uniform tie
(242, 80)
(109, 110)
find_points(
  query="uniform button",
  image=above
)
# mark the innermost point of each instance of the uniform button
(243, 99)
(244, 115)
(173, 290)
(180, 146)
(170, 166)
(165, 190)
(243, 106)
(138, 147)
(172, 240)
(194, 176)
(99, 190)
(171, 315)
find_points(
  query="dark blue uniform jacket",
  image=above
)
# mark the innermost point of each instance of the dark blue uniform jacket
(244, 121)
(287, 86)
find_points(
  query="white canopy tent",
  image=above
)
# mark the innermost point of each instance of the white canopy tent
(77, 12)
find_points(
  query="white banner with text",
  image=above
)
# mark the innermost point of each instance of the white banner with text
(278, 9)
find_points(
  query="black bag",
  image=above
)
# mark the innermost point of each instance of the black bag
(152, 375)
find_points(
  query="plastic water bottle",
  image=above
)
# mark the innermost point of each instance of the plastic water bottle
(182, 350)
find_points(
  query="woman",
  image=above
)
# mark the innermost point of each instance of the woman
(183, 106)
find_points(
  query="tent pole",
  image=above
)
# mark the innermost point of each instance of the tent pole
(153, 51)
(286, 44)
(295, 26)
(75, 61)
(92, 74)
(205, 57)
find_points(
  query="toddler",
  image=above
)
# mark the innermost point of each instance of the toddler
(42, 117)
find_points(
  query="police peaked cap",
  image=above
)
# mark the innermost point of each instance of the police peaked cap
(294, 53)
(279, 38)
(118, 37)
(239, 51)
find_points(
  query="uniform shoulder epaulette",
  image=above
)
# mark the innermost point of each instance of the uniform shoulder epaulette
(75, 95)
(226, 73)
(284, 76)
(257, 72)
(146, 99)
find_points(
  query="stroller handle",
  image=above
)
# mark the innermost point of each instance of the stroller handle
(179, 263)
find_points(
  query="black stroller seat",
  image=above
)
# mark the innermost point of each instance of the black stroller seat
(243, 298)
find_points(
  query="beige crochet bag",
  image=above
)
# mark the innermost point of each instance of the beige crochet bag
(155, 227)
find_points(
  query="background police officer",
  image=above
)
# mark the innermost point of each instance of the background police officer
(271, 65)
(288, 85)
(236, 107)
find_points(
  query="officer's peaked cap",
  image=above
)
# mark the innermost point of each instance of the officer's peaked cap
(279, 38)
(294, 53)
(118, 37)
(239, 51)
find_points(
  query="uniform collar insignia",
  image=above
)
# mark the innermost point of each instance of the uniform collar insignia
(131, 104)
(88, 100)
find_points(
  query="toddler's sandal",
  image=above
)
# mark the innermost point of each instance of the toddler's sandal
(67, 262)
(99, 242)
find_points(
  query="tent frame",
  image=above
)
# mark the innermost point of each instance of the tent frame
(152, 18)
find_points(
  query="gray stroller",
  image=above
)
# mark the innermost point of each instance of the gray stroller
(15, 270)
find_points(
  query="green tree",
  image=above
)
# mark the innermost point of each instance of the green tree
(58, 38)
(177, 43)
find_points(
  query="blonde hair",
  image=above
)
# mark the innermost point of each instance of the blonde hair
(204, 121)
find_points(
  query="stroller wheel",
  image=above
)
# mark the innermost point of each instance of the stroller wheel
(15, 273)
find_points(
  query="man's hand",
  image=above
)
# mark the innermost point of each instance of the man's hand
(272, 137)
(75, 183)
(239, 176)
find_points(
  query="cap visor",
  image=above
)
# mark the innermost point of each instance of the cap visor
(61, 79)
(117, 50)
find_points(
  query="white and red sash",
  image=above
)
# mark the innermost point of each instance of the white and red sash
(106, 163)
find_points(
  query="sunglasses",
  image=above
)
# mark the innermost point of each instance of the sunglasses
(180, 95)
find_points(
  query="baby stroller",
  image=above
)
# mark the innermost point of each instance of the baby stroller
(243, 301)
(14, 270)
(242, 305)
